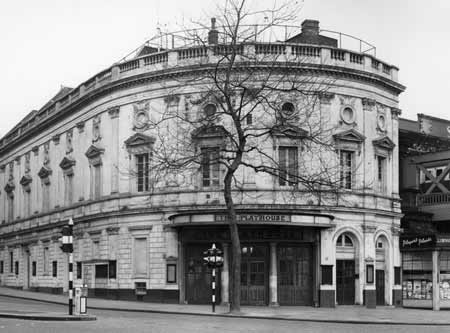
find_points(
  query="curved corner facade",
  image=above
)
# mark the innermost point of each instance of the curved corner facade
(86, 155)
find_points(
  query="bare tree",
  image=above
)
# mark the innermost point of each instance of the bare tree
(241, 98)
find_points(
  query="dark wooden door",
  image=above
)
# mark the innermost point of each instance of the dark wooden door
(380, 286)
(345, 282)
(295, 275)
(254, 274)
(198, 276)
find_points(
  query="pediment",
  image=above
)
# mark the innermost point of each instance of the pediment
(212, 131)
(26, 180)
(289, 131)
(384, 142)
(139, 139)
(9, 187)
(67, 163)
(351, 135)
(44, 172)
(94, 151)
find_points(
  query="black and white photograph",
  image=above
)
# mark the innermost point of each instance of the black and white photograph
(224, 166)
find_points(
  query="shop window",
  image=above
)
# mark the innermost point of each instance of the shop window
(417, 275)
(171, 273)
(210, 166)
(54, 268)
(142, 161)
(346, 166)
(444, 275)
(79, 270)
(1, 267)
(344, 241)
(112, 269)
(16, 268)
(288, 165)
(381, 174)
(101, 271)
(33, 268)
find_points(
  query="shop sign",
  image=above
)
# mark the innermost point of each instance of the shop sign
(417, 242)
(255, 218)
(443, 240)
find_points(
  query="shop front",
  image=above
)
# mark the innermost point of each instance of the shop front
(426, 271)
(279, 260)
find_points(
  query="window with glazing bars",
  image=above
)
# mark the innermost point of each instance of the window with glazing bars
(381, 173)
(346, 168)
(288, 164)
(142, 172)
(210, 166)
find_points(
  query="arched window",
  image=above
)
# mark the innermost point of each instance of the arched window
(344, 241)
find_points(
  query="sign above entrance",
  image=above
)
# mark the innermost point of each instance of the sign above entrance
(254, 218)
(417, 242)
(443, 240)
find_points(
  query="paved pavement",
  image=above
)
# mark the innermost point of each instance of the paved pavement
(340, 314)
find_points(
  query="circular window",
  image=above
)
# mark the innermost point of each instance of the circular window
(347, 115)
(288, 109)
(210, 110)
(381, 122)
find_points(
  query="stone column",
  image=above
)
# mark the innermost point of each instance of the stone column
(225, 276)
(273, 276)
(435, 261)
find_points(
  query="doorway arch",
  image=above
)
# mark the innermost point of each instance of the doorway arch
(347, 266)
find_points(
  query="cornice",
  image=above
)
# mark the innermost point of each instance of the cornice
(145, 78)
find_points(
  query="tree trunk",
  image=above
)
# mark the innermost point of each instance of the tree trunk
(235, 281)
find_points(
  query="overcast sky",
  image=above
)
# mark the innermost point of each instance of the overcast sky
(48, 43)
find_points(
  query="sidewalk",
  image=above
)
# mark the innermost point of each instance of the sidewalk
(341, 314)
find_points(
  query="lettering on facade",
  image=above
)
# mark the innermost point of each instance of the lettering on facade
(254, 218)
(417, 242)
(443, 240)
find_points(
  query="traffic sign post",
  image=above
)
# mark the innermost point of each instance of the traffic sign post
(214, 259)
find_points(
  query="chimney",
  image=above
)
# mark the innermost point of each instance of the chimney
(213, 34)
(310, 27)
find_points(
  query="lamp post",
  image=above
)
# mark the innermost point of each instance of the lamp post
(214, 259)
(67, 247)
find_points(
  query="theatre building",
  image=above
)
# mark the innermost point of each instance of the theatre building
(89, 154)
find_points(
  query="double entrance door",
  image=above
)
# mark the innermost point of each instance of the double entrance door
(345, 282)
(254, 275)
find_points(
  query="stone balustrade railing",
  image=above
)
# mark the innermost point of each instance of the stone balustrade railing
(171, 59)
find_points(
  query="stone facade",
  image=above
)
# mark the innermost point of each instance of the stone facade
(78, 155)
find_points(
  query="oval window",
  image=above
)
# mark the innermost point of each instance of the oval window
(288, 109)
(210, 110)
(348, 115)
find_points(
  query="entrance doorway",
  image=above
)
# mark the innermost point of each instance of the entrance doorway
(295, 277)
(345, 282)
(380, 286)
(198, 277)
(254, 275)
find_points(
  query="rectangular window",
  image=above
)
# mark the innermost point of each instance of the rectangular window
(95, 249)
(97, 182)
(381, 174)
(46, 260)
(288, 164)
(1, 267)
(27, 199)
(54, 268)
(11, 262)
(101, 271)
(417, 275)
(142, 172)
(171, 273)
(79, 270)
(140, 256)
(346, 168)
(17, 268)
(112, 269)
(33, 268)
(327, 274)
(210, 166)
